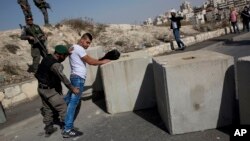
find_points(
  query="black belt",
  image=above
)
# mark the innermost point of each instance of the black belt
(43, 86)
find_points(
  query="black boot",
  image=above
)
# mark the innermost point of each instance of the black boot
(49, 129)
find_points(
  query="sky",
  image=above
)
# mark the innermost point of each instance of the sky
(101, 11)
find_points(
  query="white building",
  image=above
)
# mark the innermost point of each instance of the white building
(186, 10)
(215, 3)
(149, 21)
(186, 7)
(161, 19)
(199, 17)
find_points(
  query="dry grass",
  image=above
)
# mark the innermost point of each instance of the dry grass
(12, 48)
(211, 26)
(86, 24)
(11, 69)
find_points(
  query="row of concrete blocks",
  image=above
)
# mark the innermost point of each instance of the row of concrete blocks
(193, 91)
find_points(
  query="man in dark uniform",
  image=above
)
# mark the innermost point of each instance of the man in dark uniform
(37, 38)
(50, 75)
(43, 5)
(25, 7)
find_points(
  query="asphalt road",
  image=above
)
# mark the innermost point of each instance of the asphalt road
(25, 122)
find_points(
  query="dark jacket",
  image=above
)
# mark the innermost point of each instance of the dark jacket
(46, 76)
(245, 16)
(177, 20)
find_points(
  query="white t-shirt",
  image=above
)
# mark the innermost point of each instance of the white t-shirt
(174, 25)
(78, 66)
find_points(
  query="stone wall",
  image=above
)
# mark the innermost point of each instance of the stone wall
(190, 40)
(14, 94)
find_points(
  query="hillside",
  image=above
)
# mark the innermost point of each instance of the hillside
(15, 53)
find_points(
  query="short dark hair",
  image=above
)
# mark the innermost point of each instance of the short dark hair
(88, 35)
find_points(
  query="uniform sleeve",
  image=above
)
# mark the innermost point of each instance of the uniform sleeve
(40, 30)
(57, 68)
(24, 35)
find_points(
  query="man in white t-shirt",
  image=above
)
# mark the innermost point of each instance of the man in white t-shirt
(78, 60)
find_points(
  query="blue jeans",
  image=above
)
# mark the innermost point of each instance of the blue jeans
(72, 101)
(178, 38)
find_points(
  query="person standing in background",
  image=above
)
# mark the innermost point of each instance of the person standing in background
(233, 18)
(176, 25)
(245, 18)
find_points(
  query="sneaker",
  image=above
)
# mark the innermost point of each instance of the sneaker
(71, 133)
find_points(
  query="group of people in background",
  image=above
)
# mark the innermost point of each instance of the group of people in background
(41, 4)
(245, 18)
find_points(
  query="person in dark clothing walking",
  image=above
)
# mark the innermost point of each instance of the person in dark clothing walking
(245, 18)
(36, 38)
(43, 5)
(25, 7)
(176, 25)
(50, 75)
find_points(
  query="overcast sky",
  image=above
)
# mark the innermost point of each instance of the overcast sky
(102, 11)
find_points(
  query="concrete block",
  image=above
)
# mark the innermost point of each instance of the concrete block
(7, 103)
(189, 40)
(167, 47)
(194, 90)
(1, 96)
(128, 83)
(200, 37)
(2, 114)
(93, 81)
(30, 89)
(18, 99)
(12, 91)
(243, 83)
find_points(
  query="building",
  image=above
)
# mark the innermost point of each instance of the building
(186, 7)
(161, 19)
(199, 16)
(149, 21)
(223, 4)
(215, 3)
(186, 10)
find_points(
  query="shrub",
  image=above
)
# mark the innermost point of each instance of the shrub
(120, 43)
(86, 24)
(12, 48)
(79, 23)
(11, 69)
(14, 36)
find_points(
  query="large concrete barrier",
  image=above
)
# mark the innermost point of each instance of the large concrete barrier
(93, 81)
(194, 90)
(243, 83)
(129, 83)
